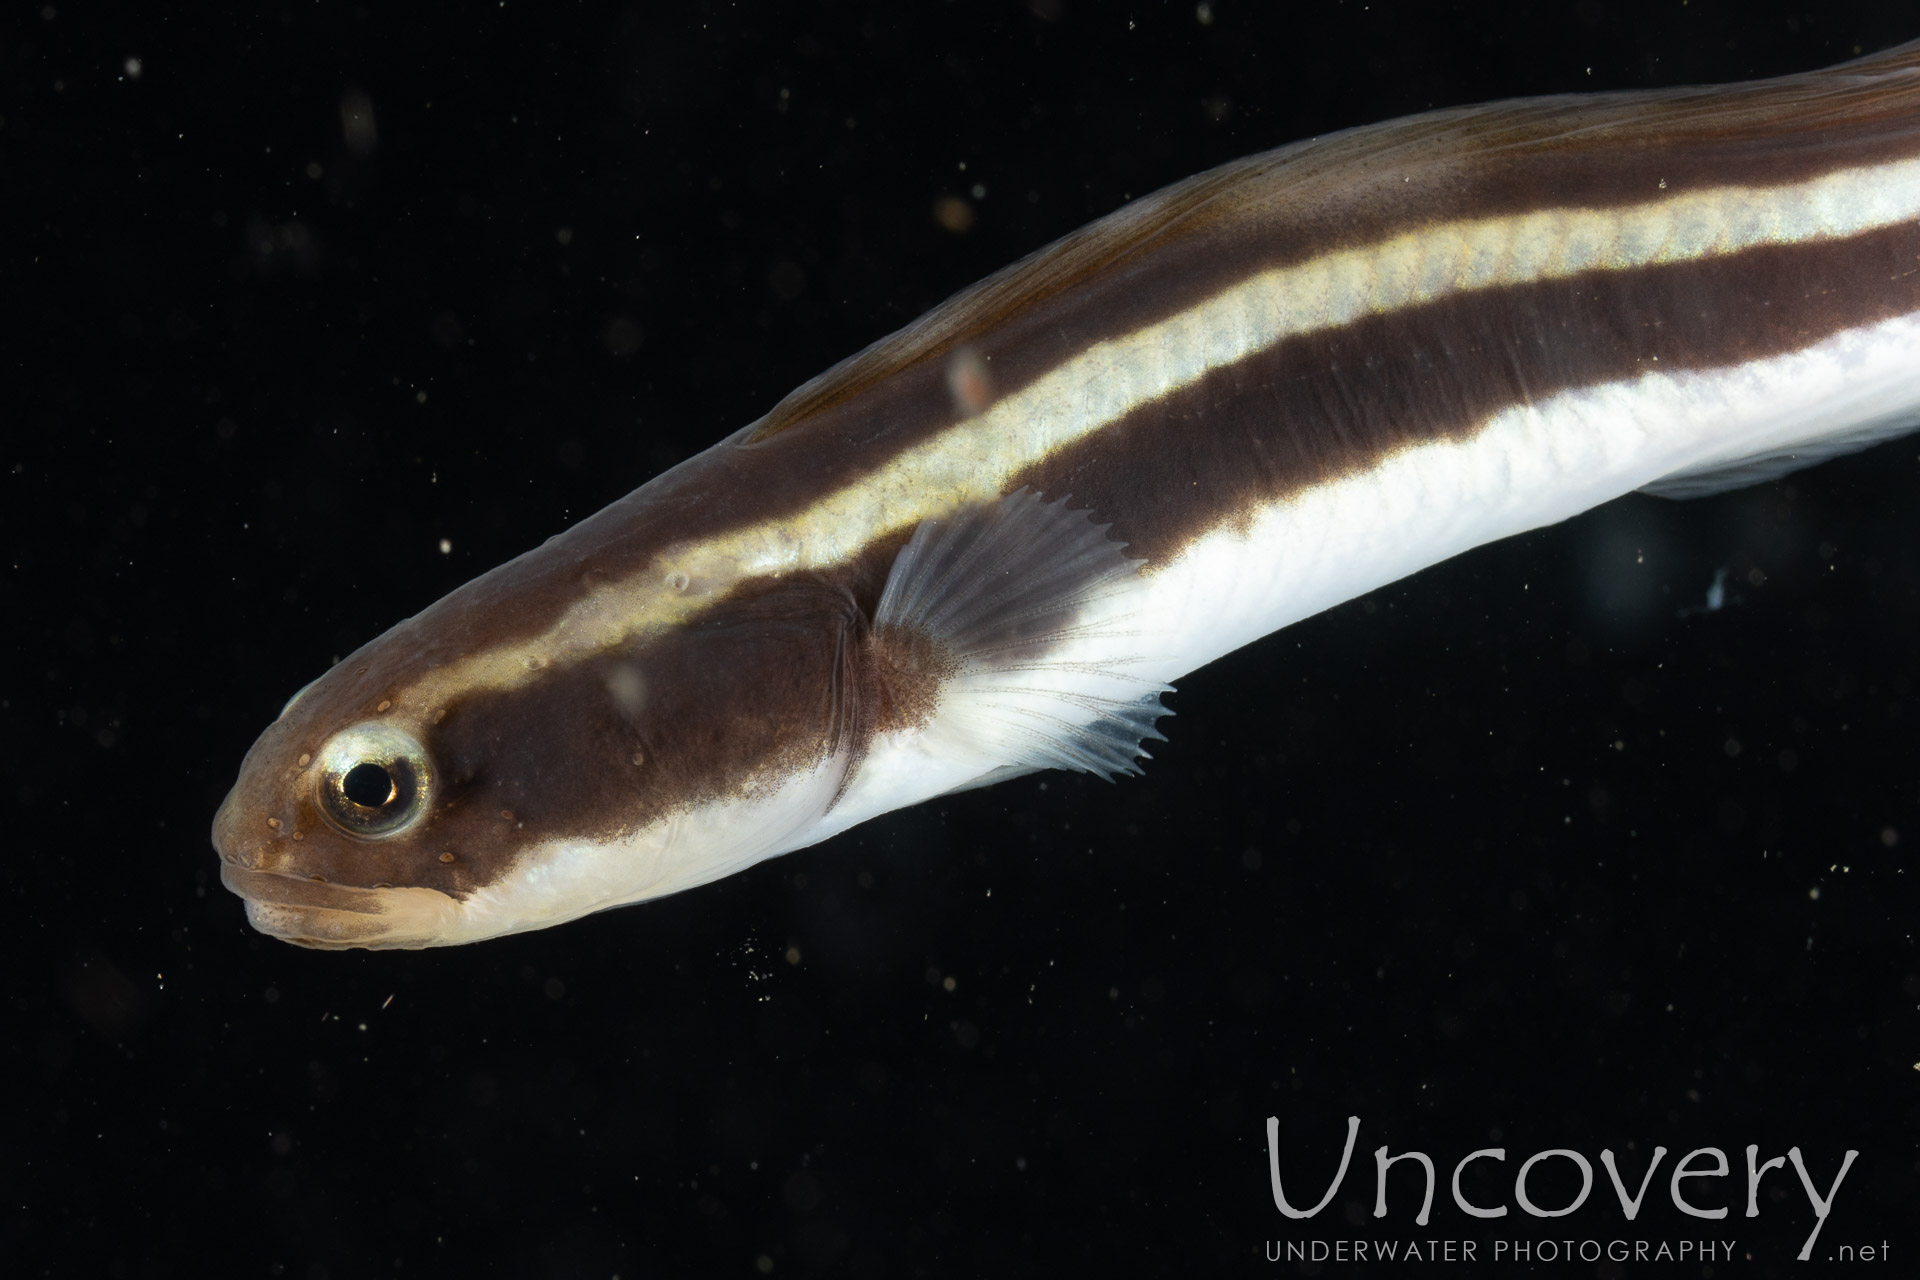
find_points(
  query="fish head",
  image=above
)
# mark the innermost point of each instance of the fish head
(345, 827)
(426, 791)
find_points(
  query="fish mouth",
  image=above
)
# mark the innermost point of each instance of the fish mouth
(335, 917)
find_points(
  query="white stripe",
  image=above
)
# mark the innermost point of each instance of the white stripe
(1112, 378)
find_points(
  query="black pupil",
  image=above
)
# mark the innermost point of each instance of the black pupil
(369, 785)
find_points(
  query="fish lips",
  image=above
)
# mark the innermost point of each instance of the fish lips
(315, 913)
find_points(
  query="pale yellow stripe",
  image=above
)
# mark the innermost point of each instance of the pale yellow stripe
(976, 459)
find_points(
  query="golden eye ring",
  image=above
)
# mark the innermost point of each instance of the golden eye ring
(374, 780)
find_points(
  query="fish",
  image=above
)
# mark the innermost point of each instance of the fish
(988, 544)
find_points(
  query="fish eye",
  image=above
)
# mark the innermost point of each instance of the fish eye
(369, 785)
(374, 780)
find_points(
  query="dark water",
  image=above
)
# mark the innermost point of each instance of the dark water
(1530, 852)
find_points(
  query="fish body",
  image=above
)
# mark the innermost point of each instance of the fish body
(989, 542)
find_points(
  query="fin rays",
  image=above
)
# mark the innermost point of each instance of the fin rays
(1032, 603)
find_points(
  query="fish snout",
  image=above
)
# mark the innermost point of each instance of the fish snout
(238, 841)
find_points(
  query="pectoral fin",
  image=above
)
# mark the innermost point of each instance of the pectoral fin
(1009, 632)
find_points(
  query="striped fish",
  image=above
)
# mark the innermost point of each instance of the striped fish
(984, 545)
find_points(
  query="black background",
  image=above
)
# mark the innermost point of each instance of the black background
(1529, 851)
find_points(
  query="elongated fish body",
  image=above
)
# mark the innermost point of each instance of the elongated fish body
(986, 544)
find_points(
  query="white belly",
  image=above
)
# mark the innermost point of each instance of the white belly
(1530, 466)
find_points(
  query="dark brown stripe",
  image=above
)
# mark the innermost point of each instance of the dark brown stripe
(1326, 405)
(757, 688)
